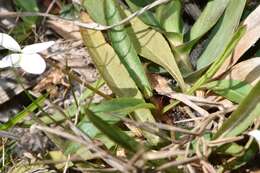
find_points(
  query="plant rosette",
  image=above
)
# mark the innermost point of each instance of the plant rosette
(27, 58)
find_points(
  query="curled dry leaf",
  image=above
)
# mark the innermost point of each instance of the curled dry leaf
(251, 36)
(247, 71)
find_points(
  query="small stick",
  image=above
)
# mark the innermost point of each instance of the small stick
(92, 25)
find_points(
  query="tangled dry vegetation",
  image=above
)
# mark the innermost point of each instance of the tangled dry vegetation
(129, 86)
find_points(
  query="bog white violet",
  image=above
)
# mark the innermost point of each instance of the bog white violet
(27, 58)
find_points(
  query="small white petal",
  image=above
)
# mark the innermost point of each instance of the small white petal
(10, 60)
(32, 63)
(37, 47)
(7, 42)
(255, 134)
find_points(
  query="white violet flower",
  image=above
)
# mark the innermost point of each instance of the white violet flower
(27, 58)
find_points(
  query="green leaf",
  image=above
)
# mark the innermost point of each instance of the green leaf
(169, 16)
(113, 133)
(29, 6)
(120, 105)
(222, 33)
(111, 111)
(155, 48)
(219, 60)
(233, 90)
(23, 30)
(208, 18)
(114, 73)
(142, 3)
(21, 115)
(244, 116)
(123, 46)
(215, 66)
(70, 11)
(147, 17)
(95, 10)
(72, 110)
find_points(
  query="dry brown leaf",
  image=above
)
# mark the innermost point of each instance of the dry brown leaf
(247, 71)
(251, 36)
(65, 29)
(159, 83)
(51, 82)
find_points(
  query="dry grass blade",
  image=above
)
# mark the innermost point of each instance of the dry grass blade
(247, 71)
(119, 165)
(177, 163)
(251, 36)
(184, 99)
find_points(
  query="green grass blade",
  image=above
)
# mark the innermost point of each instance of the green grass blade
(121, 105)
(233, 90)
(222, 33)
(243, 116)
(208, 18)
(219, 60)
(113, 133)
(215, 66)
(124, 47)
(21, 115)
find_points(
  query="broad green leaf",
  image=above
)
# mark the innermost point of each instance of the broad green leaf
(244, 116)
(114, 133)
(30, 6)
(147, 17)
(155, 48)
(169, 16)
(215, 66)
(208, 18)
(24, 113)
(95, 10)
(219, 60)
(114, 73)
(222, 33)
(123, 46)
(233, 90)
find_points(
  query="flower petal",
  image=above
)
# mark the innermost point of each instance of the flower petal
(32, 63)
(7, 42)
(10, 60)
(37, 47)
(255, 134)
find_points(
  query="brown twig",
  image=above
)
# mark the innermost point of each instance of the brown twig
(177, 163)
(92, 25)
